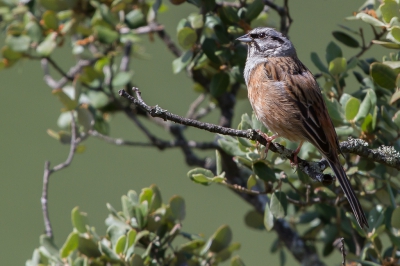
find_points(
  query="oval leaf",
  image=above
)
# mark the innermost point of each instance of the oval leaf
(268, 218)
(79, 220)
(337, 66)
(70, 245)
(177, 205)
(187, 37)
(352, 108)
(264, 172)
(221, 238)
(345, 39)
(278, 204)
(383, 75)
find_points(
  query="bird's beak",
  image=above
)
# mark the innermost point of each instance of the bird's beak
(245, 38)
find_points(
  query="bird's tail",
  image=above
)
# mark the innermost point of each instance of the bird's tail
(349, 192)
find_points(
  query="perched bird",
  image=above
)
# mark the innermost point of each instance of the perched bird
(286, 98)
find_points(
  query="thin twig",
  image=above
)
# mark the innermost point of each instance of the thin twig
(169, 43)
(364, 47)
(195, 105)
(48, 172)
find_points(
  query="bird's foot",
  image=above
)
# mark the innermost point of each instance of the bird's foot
(295, 152)
(269, 139)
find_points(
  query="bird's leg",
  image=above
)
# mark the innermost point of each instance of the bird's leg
(296, 151)
(269, 139)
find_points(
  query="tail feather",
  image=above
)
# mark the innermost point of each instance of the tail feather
(349, 192)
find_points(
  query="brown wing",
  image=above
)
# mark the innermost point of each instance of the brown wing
(304, 92)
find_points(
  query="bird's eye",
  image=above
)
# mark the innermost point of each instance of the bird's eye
(257, 35)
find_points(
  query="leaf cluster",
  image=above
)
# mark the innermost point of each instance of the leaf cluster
(144, 232)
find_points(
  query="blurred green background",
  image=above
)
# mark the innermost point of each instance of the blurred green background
(28, 109)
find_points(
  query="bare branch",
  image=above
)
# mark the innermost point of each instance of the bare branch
(169, 43)
(48, 172)
(164, 143)
(195, 105)
(384, 155)
(70, 76)
(283, 12)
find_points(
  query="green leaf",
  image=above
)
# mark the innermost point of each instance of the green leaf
(200, 175)
(182, 61)
(389, 9)
(57, 5)
(278, 204)
(119, 247)
(146, 195)
(389, 45)
(50, 20)
(156, 200)
(395, 220)
(332, 51)
(65, 99)
(130, 239)
(177, 205)
(46, 47)
(337, 66)
(218, 162)
(209, 47)
(365, 107)
(88, 247)
(395, 33)
(196, 20)
(345, 39)
(219, 84)
(135, 19)
(229, 14)
(221, 34)
(268, 218)
(187, 37)
(108, 252)
(34, 31)
(79, 220)
(201, 179)
(318, 63)
(136, 260)
(85, 119)
(221, 238)
(351, 109)
(18, 43)
(236, 261)
(97, 99)
(70, 245)
(383, 75)
(254, 219)
(366, 126)
(251, 182)
(49, 245)
(254, 9)
(370, 20)
(105, 35)
(191, 245)
(121, 79)
(264, 172)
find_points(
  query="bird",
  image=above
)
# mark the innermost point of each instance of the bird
(287, 99)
